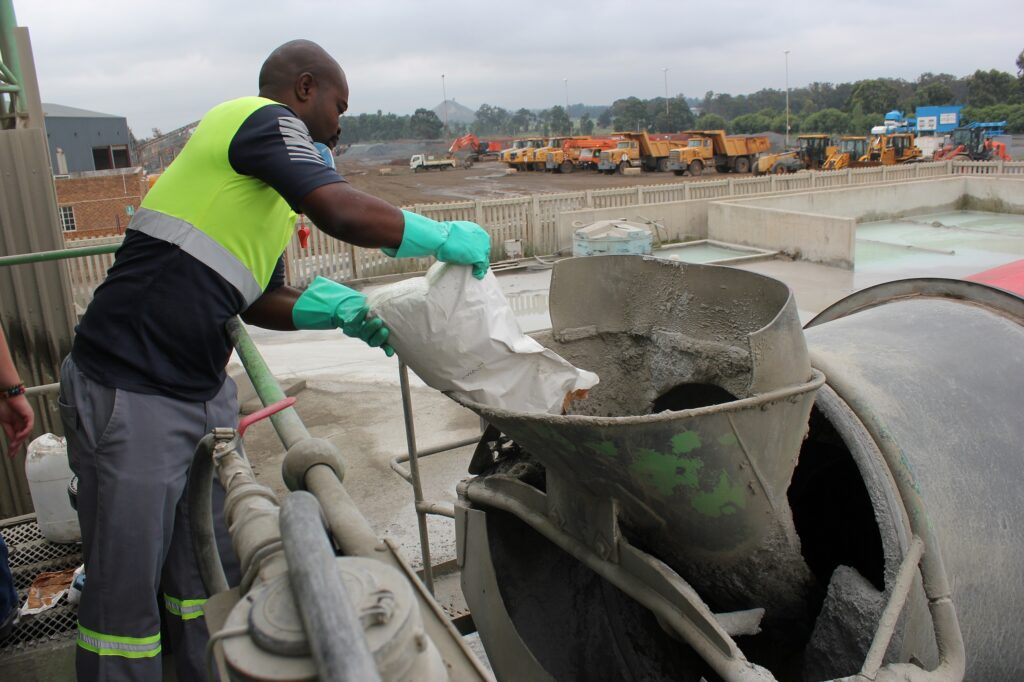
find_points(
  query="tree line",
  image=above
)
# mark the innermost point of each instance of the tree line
(991, 95)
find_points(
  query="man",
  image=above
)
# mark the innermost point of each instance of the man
(145, 379)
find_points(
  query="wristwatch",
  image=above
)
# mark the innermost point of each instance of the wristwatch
(12, 391)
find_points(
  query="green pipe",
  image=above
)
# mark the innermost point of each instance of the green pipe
(60, 254)
(9, 49)
(10, 88)
(287, 423)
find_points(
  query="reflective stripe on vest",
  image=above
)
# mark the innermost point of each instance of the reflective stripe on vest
(186, 609)
(200, 246)
(114, 645)
(208, 203)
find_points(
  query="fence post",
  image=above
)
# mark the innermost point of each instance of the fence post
(533, 229)
(1000, 167)
(731, 186)
(353, 261)
(686, 192)
(849, 176)
(949, 167)
(639, 195)
(771, 183)
(590, 198)
(478, 207)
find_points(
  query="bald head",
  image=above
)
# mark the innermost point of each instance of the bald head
(301, 75)
(296, 57)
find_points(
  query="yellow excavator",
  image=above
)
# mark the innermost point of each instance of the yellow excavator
(849, 152)
(813, 149)
(882, 150)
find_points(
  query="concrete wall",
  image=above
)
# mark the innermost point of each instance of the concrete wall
(874, 202)
(1000, 195)
(682, 220)
(825, 239)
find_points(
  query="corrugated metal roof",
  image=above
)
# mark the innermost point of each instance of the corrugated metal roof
(62, 111)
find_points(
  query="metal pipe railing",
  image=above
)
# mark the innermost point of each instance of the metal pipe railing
(289, 427)
(59, 254)
(423, 507)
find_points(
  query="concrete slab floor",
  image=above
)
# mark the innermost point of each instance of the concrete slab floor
(353, 399)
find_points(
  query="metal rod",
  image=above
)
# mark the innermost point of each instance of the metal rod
(891, 614)
(351, 530)
(396, 462)
(333, 628)
(9, 52)
(60, 254)
(414, 471)
(289, 427)
(45, 389)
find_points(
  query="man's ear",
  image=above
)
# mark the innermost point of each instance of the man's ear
(304, 85)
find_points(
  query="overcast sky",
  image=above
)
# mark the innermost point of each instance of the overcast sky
(163, 64)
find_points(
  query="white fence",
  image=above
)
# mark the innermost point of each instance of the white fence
(533, 218)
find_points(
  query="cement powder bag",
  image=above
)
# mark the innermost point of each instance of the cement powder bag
(459, 334)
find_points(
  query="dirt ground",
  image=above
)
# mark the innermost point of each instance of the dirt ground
(361, 165)
(483, 181)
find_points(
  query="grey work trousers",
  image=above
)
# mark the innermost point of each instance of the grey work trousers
(132, 453)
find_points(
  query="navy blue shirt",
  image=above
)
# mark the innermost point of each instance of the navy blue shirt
(156, 323)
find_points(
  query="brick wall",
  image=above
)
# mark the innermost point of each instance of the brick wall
(99, 200)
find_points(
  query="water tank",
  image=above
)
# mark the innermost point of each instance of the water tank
(48, 474)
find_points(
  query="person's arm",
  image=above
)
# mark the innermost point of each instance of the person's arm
(273, 310)
(274, 146)
(358, 218)
(16, 416)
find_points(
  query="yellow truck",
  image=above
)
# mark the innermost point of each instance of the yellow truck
(637, 150)
(578, 153)
(516, 155)
(555, 144)
(736, 153)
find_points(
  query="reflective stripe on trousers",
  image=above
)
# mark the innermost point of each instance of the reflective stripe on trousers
(186, 609)
(114, 645)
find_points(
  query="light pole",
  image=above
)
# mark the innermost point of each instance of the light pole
(786, 52)
(444, 103)
(565, 82)
(665, 71)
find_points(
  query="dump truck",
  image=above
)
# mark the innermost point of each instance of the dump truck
(581, 153)
(811, 153)
(638, 150)
(850, 152)
(520, 153)
(538, 157)
(727, 153)
(421, 162)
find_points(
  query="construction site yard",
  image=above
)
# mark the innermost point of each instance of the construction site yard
(383, 170)
(486, 180)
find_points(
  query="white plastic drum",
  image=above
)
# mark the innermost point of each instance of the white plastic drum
(48, 474)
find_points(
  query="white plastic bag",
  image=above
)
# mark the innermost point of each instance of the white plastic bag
(459, 334)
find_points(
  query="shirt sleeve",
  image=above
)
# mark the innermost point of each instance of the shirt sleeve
(274, 145)
(276, 277)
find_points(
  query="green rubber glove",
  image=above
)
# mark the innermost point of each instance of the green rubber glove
(325, 304)
(454, 241)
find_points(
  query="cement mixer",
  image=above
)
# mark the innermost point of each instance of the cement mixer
(741, 499)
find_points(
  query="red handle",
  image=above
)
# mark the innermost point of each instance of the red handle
(248, 420)
(304, 236)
